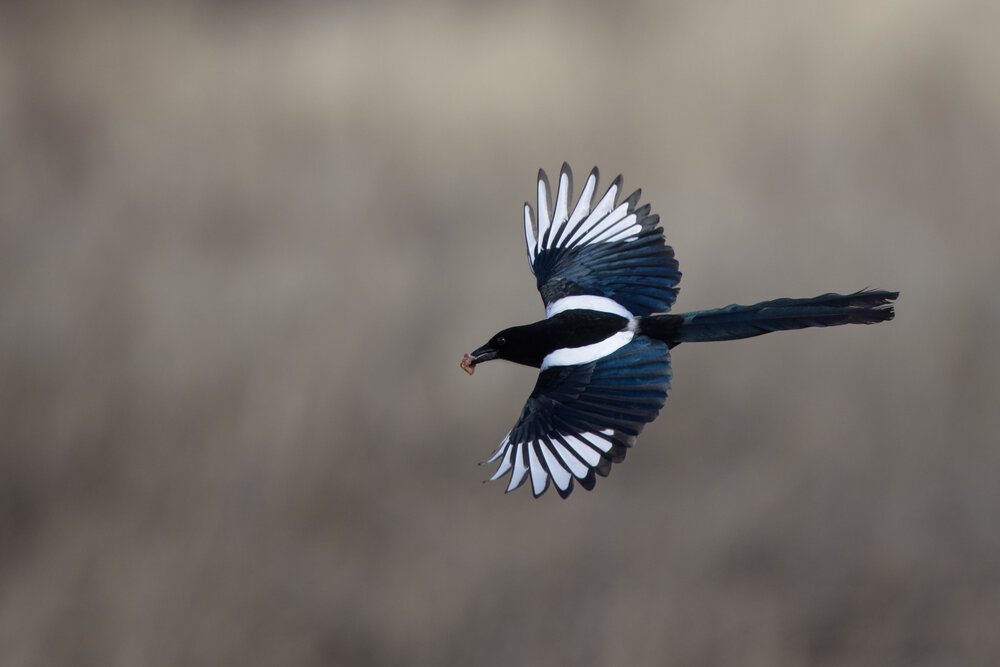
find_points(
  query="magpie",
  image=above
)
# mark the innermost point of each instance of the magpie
(608, 279)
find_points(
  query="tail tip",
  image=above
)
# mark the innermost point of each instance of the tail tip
(874, 306)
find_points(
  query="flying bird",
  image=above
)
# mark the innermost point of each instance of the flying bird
(607, 279)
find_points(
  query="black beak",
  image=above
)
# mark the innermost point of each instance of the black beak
(485, 353)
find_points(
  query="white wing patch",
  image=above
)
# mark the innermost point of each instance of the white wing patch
(529, 235)
(557, 228)
(583, 206)
(573, 356)
(578, 469)
(587, 454)
(543, 206)
(563, 457)
(520, 469)
(561, 213)
(539, 478)
(559, 475)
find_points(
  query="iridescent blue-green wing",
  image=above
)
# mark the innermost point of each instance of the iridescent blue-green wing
(581, 419)
(608, 250)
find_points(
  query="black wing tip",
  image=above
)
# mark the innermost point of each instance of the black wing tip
(617, 453)
(544, 178)
(633, 200)
(566, 171)
(617, 183)
(603, 467)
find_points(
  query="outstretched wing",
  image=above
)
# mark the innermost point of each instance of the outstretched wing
(610, 250)
(581, 419)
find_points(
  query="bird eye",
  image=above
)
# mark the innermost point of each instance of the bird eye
(501, 340)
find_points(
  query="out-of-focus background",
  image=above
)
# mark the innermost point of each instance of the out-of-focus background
(243, 247)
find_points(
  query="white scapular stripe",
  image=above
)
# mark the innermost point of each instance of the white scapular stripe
(587, 302)
(573, 356)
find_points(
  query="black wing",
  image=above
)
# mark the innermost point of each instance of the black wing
(581, 419)
(609, 250)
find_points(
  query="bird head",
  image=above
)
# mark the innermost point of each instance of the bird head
(514, 344)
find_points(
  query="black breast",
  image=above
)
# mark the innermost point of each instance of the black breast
(576, 328)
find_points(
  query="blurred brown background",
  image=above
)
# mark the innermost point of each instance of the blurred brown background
(243, 248)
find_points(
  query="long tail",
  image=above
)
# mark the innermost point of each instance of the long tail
(733, 322)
